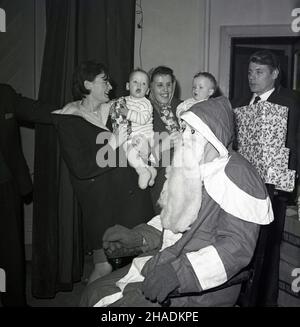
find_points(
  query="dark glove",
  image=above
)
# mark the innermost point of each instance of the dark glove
(160, 282)
(121, 237)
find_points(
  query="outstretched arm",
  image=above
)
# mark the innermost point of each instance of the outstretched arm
(29, 110)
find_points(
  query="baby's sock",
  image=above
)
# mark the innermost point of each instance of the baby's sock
(153, 173)
(144, 177)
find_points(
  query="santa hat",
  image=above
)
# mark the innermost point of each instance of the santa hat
(214, 120)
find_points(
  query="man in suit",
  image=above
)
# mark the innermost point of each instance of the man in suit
(264, 83)
(15, 184)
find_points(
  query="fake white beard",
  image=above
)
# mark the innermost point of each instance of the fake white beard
(181, 195)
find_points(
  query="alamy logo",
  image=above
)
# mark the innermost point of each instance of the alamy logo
(296, 22)
(2, 281)
(296, 281)
(2, 20)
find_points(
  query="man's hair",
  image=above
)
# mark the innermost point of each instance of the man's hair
(210, 77)
(266, 57)
(86, 71)
(161, 70)
(139, 70)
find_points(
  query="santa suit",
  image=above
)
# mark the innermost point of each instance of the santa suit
(219, 243)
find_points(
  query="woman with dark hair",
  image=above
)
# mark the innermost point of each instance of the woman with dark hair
(165, 123)
(108, 194)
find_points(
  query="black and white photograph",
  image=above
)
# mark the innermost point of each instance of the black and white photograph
(149, 156)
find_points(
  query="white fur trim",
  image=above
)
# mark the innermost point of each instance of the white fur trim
(107, 300)
(169, 239)
(194, 121)
(156, 223)
(133, 276)
(231, 198)
(208, 267)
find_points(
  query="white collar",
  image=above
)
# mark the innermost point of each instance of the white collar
(263, 97)
(76, 109)
(231, 198)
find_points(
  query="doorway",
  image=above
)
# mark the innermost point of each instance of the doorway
(286, 48)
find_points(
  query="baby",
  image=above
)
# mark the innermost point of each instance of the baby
(204, 86)
(136, 111)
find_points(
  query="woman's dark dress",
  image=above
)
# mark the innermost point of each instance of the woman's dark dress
(108, 195)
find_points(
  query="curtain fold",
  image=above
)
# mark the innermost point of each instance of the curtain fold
(76, 30)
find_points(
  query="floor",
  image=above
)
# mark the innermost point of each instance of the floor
(62, 299)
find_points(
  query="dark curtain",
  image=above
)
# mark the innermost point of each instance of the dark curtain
(76, 30)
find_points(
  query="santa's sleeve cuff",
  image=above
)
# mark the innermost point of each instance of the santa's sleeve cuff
(156, 223)
(208, 267)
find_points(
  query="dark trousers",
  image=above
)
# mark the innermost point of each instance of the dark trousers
(12, 256)
(268, 285)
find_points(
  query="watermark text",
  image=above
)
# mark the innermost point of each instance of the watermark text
(296, 21)
(2, 20)
(2, 281)
(296, 281)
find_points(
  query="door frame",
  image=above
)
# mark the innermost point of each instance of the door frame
(229, 32)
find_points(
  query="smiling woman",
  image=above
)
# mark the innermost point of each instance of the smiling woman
(107, 195)
(162, 88)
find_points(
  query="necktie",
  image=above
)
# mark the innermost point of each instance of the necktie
(257, 98)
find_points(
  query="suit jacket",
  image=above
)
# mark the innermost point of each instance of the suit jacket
(288, 98)
(14, 107)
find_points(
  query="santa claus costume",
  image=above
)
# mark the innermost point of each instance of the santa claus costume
(213, 204)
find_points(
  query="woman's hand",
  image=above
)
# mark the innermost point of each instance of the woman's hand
(124, 110)
(111, 107)
(118, 237)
